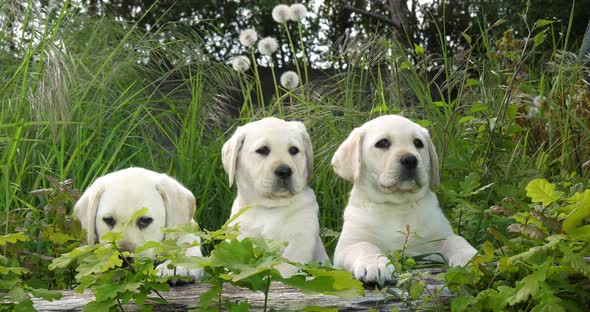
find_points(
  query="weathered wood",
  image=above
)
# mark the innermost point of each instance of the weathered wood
(281, 298)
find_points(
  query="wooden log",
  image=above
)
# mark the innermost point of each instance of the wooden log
(281, 297)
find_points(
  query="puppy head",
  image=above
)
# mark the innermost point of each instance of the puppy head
(112, 200)
(271, 157)
(391, 154)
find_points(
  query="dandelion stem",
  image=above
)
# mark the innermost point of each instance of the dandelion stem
(303, 50)
(274, 79)
(292, 49)
(259, 93)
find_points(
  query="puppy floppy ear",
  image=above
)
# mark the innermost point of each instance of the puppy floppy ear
(434, 172)
(86, 208)
(347, 160)
(180, 203)
(307, 146)
(229, 153)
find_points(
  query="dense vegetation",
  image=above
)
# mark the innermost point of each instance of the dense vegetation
(509, 113)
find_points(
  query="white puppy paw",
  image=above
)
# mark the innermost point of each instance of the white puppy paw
(164, 271)
(461, 257)
(287, 270)
(373, 269)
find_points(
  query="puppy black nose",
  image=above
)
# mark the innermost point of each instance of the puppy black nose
(409, 161)
(283, 171)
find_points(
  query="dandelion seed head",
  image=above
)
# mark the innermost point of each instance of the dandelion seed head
(268, 45)
(281, 13)
(289, 80)
(248, 37)
(298, 12)
(538, 100)
(240, 63)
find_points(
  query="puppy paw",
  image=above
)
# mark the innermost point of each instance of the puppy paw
(286, 270)
(193, 275)
(373, 269)
(461, 257)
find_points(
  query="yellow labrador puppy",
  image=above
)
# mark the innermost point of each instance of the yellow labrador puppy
(113, 199)
(271, 161)
(393, 164)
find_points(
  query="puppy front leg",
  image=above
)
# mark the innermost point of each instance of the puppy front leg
(365, 261)
(195, 251)
(300, 249)
(457, 250)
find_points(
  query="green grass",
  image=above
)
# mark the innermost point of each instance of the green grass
(77, 103)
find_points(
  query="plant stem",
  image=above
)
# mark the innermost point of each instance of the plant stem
(292, 50)
(266, 290)
(303, 50)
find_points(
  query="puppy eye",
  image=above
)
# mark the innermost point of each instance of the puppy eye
(383, 143)
(109, 221)
(143, 222)
(293, 150)
(418, 143)
(263, 150)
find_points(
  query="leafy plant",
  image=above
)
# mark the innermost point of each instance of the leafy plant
(14, 291)
(543, 267)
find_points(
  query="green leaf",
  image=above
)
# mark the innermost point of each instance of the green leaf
(48, 295)
(467, 37)
(499, 22)
(13, 238)
(416, 290)
(539, 38)
(470, 184)
(472, 82)
(580, 211)
(65, 259)
(541, 191)
(104, 258)
(542, 22)
(319, 309)
(15, 270)
(418, 49)
(529, 286)
(103, 306)
(465, 119)
(330, 282)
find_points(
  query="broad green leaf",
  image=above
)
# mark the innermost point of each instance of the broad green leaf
(539, 38)
(416, 290)
(102, 306)
(405, 65)
(470, 184)
(13, 238)
(331, 282)
(15, 270)
(65, 259)
(243, 306)
(103, 259)
(467, 37)
(319, 309)
(48, 295)
(529, 286)
(541, 191)
(472, 82)
(499, 22)
(581, 233)
(542, 22)
(418, 49)
(580, 211)
(465, 119)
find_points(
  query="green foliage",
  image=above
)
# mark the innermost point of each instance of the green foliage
(14, 292)
(508, 107)
(542, 267)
